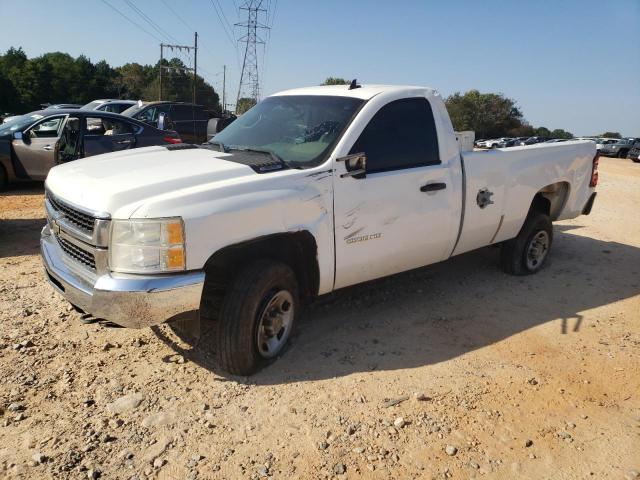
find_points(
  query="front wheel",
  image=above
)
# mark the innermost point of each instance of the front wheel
(622, 154)
(527, 253)
(257, 317)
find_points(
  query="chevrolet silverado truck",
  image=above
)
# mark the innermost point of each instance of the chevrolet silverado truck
(310, 191)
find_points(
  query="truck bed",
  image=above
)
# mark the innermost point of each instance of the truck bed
(513, 176)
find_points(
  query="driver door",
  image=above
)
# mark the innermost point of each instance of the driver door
(36, 151)
(401, 215)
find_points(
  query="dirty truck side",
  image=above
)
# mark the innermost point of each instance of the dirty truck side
(312, 190)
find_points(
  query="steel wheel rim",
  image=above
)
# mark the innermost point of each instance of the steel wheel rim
(275, 322)
(537, 250)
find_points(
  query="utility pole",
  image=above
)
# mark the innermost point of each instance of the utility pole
(249, 82)
(184, 70)
(195, 64)
(160, 94)
(224, 88)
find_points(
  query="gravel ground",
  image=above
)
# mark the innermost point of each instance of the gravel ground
(452, 371)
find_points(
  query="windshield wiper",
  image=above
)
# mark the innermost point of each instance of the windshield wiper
(273, 154)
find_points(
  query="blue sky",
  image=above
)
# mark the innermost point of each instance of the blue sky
(571, 64)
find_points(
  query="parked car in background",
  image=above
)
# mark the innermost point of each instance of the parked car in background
(58, 106)
(618, 149)
(479, 143)
(601, 142)
(634, 153)
(109, 105)
(512, 142)
(34, 143)
(497, 143)
(557, 140)
(188, 119)
(534, 140)
(217, 124)
(504, 142)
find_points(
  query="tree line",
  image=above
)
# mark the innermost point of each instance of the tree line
(489, 115)
(57, 77)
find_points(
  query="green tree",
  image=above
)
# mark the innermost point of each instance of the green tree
(524, 130)
(560, 133)
(611, 135)
(244, 104)
(543, 132)
(490, 115)
(336, 81)
(58, 77)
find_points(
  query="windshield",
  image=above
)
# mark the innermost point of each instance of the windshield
(299, 129)
(133, 109)
(20, 122)
(92, 105)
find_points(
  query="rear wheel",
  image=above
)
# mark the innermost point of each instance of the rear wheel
(622, 154)
(257, 317)
(527, 253)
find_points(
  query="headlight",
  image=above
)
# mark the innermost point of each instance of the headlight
(147, 245)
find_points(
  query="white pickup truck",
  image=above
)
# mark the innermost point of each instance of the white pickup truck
(310, 191)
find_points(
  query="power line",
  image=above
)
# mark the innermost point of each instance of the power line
(153, 24)
(178, 16)
(224, 27)
(224, 16)
(131, 21)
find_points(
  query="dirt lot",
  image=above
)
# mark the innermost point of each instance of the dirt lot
(494, 376)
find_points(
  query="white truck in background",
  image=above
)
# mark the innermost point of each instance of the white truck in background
(310, 191)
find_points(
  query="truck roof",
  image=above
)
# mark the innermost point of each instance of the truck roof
(364, 92)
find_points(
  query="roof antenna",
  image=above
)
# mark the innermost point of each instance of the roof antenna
(354, 84)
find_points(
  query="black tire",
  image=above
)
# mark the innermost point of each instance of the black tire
(622, 154)
(244, 302)
(514, 256)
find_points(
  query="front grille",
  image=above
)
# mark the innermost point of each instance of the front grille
(77, 253)
(83, 221)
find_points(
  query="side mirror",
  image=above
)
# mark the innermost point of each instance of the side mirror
(356, 165)
(17, 136)
(161, 121)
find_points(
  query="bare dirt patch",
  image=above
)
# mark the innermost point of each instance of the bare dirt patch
(452, 371)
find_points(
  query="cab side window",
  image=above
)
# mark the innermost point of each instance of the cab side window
(401, 135)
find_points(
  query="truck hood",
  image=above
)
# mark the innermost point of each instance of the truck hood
(118, 183)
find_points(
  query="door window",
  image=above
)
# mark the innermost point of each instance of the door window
(98, 126)
(47, 128)
(401, 135)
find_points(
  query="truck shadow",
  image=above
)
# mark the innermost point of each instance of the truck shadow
(23, 188)
(20, 236)
(443, 311)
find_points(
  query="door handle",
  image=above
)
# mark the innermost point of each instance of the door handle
(48, 147)
(124, 142)
(432, 187)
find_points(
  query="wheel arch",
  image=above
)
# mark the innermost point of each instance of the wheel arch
(298, 249)
(551, 199)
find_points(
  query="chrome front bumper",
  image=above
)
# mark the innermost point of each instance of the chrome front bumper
(134, 301)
